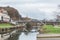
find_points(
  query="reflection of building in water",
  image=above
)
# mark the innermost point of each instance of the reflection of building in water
(4, 15)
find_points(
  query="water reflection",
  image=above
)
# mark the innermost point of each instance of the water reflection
(30, 36)
(23, 36)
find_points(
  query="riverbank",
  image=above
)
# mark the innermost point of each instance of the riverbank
(14, 37)
(4, 36)
(8, 35)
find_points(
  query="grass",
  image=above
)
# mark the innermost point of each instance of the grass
(5, 25)
(50, 29)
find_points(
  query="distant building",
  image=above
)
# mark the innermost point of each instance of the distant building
(26, 18)
(33, 22)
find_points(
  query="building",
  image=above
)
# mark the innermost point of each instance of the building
(4, 15)
(12, 12)
(32, 22)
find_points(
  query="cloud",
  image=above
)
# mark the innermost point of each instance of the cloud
(29, 1)
(39, 9)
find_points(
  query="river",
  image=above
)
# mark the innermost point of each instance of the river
(30, 36)
(23, 36)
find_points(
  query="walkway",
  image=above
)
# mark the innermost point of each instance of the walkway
(48, 37)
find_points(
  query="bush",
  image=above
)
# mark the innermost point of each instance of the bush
(28, 26)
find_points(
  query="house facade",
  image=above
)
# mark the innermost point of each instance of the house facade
(4, 15)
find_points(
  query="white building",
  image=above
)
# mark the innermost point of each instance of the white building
(4, 15)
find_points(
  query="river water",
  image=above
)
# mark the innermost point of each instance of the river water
(23, 36)
(29, 36)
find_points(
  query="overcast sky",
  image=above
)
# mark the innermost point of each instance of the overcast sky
(38, 9)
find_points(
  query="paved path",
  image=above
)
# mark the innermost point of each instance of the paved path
(48, 37)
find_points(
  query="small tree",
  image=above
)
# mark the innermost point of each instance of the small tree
(28, 26)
